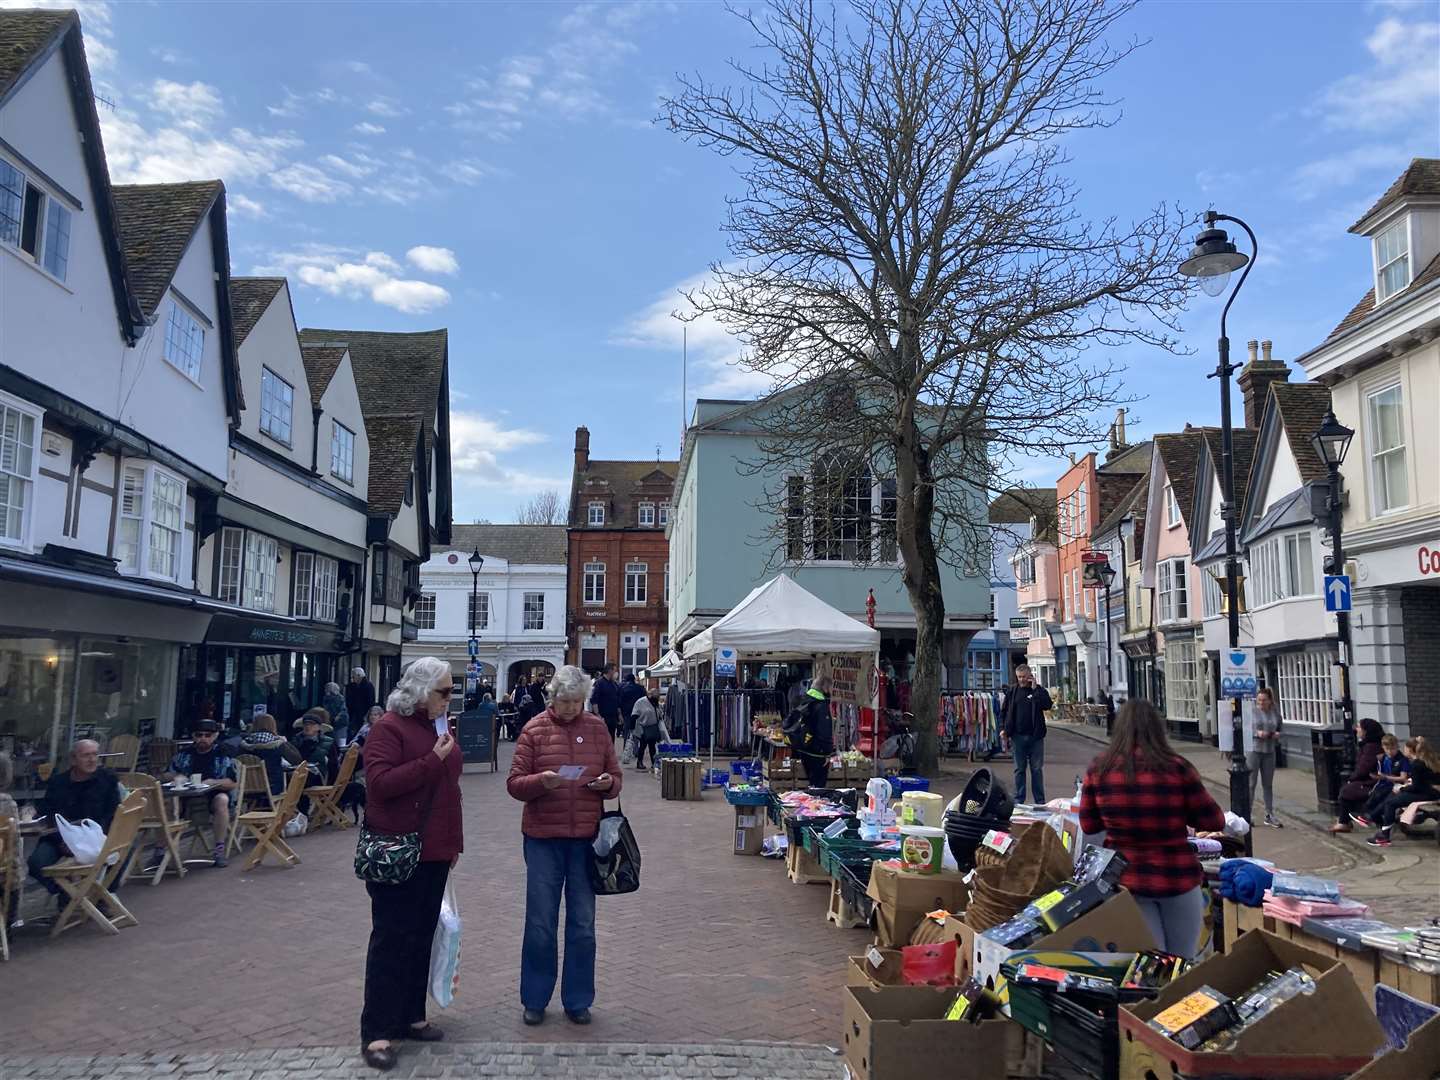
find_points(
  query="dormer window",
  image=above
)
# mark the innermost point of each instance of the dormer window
(647, 515)
(597, 513)
(1392, 261)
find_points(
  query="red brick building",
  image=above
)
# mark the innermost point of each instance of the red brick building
(617, 596)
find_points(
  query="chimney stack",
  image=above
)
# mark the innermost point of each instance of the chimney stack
(1118, 445)
(1255, 380)
(582, 449)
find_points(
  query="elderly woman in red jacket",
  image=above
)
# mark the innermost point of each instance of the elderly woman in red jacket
(412, 782)
(563, 771)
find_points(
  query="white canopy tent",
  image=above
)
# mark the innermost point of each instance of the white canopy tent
(667, 667)
(779, 621)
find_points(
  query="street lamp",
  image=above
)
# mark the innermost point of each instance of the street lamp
(476, 562)
(1212, 261)
(1107, 578)
(1331, 442)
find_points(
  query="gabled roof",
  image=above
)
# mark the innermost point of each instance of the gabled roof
(1421, 177)
(1018, 505)
(28, 38)
(1302, 407)
(399, 377)
(1132, 459)
(622, 485)
(524, 545)
(249, 297)
(1115, 487)
(1132, 505)
(321, 363)
(1242, 445)
(1366, 306)
(1179, 454)
(157, 223)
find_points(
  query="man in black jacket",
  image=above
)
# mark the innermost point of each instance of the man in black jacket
(84, 790)
(605, 699)
(814, 740)
(1024, 726)
(359, 696)
(630, 692)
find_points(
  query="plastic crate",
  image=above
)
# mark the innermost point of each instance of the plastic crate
(745, 768)
(747, 797)
(676, 749)
(901, 784)
(853, 883)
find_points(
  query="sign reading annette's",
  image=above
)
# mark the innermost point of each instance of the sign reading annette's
(236, 630)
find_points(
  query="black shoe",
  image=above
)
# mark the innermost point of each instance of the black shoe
(428, 1033)
(579, 1016)
(383, 1059)
(533, 1017)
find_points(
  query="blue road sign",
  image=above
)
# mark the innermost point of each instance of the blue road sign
(474, 647)
(1337, 592)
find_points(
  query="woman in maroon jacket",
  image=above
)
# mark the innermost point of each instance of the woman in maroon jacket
(412, 780)
(561, 819)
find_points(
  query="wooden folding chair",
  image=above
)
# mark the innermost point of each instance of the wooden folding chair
(129, 745)
(325, 799)
(88, 885)
(10, 880)
(266, 827)
(158, 755)
(157, 828)
(254, 787)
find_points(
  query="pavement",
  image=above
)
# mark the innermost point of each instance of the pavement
(717, 967)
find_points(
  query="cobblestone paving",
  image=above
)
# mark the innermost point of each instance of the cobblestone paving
(613, 1061)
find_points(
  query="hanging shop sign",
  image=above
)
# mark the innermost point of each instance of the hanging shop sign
(1020, 629)
(849, 684)
(1237, 673)
(725, 662)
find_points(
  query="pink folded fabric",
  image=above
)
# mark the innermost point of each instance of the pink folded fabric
(1292, 910)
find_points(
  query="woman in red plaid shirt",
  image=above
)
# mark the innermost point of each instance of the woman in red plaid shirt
(1143, 798)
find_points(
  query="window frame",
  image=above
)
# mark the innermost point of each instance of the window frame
(1184, 689)
(595, 514)
(477, 606)
(44, 225)
(1173, 518)
(325, 585)
(663, 517)
(305, 559)
(1302, 686)
(184, 336)
(1374, 454)
(425, 611)
(850, 521)
(1400, 228)
(347, 458)
(268, 394)
(262, 556)
(528, 611)
(1172, 582)
(592, 583)
(637, 584)
(153, 477)
(230, 574)
(646, 515)
(26, 484)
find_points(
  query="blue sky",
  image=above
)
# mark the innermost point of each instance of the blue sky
(494, 169)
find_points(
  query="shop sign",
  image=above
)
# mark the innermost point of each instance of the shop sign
(1397, 565)
(1020, 629)
(1237, 673)
(725, 663)
(848, 683)
(235, 630)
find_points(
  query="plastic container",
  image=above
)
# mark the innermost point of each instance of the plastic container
(922, 808)
(923, 848)
(899, 784)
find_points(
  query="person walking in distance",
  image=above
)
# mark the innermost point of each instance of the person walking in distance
(1261, 760)
(412, 779)
(1024, 726)
(605, 699)
(359, 696)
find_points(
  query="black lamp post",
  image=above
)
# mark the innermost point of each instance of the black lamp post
(1331, 441)
(477, 561)
(1107, 576)
(1212, 261)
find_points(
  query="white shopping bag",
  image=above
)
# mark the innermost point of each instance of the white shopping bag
(296, 826)
(85, 839)
(445, 951)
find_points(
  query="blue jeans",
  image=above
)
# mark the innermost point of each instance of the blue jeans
(1031, 750)
(551, 865)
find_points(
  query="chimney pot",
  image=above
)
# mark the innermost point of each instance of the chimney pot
(1252, 345)
(1265, 350)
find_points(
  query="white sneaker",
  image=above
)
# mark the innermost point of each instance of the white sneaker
(1272, 822)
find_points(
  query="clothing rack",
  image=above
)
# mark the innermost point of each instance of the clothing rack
(971, 722)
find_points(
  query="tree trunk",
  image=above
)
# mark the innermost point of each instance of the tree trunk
(915, 511)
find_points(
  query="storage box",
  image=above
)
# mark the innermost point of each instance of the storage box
(900, 1032)
(749, 829)
(1116, 926)
(902, 898)
(1330, 1033)
(1421, 1053)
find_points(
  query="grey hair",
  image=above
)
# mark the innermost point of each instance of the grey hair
(570, 682)
(332, 688)
(415, 684)
(75, 749)
(373, 710)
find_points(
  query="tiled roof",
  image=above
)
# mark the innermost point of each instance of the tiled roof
(24, 36)
(1421, 177)
(1242, 442)
(157, 223)
(1018, 505)
(1131, 505)
(1114, 488)
(320, 364)
(249, 297)
(525, 545)
(1134, 459)
(1367, 302)
(621, 485)
(1302, 407)
(399, 378)
(1179, 453)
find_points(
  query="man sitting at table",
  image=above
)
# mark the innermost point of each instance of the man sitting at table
(315, 744)
(84, 790)
(216, 768)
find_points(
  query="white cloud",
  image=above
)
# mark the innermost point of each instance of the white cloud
(471, 171)
(1369, 160)
(433, 260)
(1401, 86)
(357, 168)
(478, 445)
(308, 183)
(358, 67)
(367, 128)
(388, 107)
(347, 273)
(192, 105)
(168, 56)
(166, 155)
(244, 206)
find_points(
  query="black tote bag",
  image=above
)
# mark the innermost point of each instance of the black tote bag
(615, 865)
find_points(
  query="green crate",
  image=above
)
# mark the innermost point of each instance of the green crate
(1030, 1008)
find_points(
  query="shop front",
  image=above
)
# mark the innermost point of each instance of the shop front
(250, 664)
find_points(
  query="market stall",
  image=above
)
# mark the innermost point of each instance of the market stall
(781, 621)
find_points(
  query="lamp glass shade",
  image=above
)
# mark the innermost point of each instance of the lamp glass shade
(1213, 260)
(1332, 441)
(476, 561)
(1107, 576)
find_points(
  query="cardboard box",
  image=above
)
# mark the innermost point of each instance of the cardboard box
(1116, 926)
(864, 971)
(902, 898)
(1421, 1053)
(749, 829)
(899, 1033)
(1329, 1033)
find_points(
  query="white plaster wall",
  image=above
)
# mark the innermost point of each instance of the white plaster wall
(273, 344)
(405, 529)
(96, 507)
(48, 512)
(256, 483)
(341, 401)
(1284, 474)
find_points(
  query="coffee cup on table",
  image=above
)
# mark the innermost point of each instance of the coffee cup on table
(196, 780)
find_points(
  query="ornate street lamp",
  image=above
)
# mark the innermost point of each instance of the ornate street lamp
(1107, 578)
(477, 561)
(1332, 442)
(1212, 261)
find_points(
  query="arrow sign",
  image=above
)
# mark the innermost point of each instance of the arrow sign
(474, 647)
(1337, 592)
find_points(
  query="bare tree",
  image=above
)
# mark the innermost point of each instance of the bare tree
(545, 508)
(911, 272)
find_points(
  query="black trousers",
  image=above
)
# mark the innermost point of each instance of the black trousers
(645, 742)
(397, 967)
(817, 768)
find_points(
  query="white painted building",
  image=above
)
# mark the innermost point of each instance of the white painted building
(518, 600)
(118, 384)
(1382, 366)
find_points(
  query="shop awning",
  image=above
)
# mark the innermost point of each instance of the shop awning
(257, 630)
(667, 667)
(61, 599)
(781, 620)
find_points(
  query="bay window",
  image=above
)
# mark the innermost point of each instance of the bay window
(19, 467)
(1304, 686)
(1283, 567)
(1173, 584)
(262, 554)
(151, 528)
